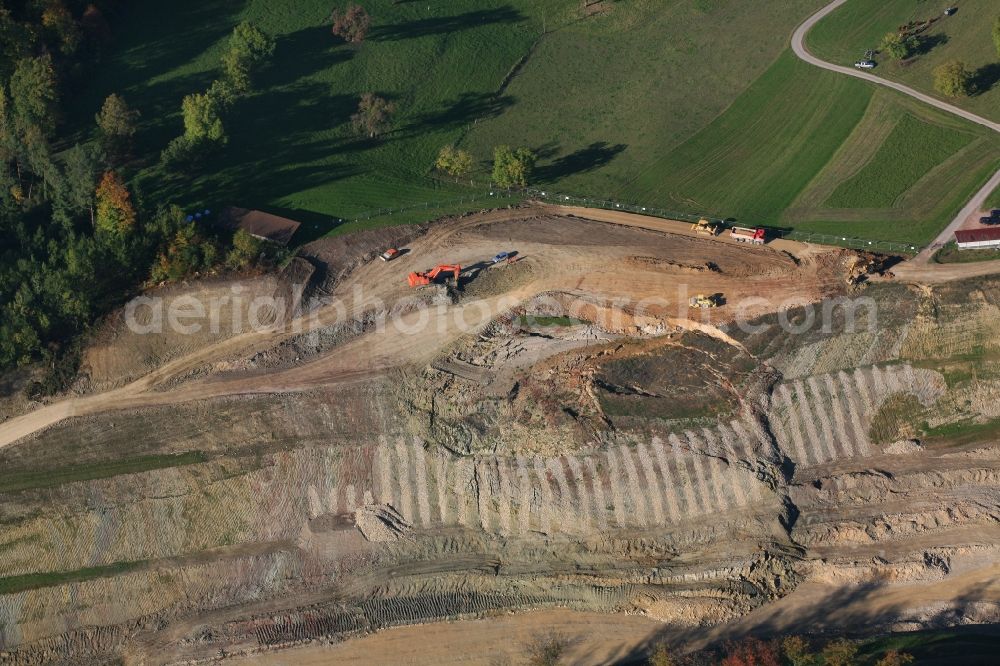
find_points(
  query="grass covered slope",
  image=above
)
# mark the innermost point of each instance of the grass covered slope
(291, 146)
(912, 148)
(815, 151)
(642, 102)
(843, 36)
(602, 99)
(596, 97)
(902, 174)
(752, 161)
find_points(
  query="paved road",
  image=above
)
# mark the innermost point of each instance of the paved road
(979, 199)
(977, 203)
(800, 50)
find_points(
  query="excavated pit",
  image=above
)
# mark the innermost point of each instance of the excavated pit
(568, 450)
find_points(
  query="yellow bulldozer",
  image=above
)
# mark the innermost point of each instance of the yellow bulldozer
(705, 227)
(705, 301)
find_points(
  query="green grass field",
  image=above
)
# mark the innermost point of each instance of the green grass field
(602, 100)
(643, 104)
(994, 199)
(291, 148)
(906, 169)
(814, 151)
(752, 161)
(844, 36)
(911, 150)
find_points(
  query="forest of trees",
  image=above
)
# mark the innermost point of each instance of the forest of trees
(75, 238)
(78, 239)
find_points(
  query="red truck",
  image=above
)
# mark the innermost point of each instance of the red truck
(747, 235)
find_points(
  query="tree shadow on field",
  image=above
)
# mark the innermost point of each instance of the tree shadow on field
(441, 25)
(152, 40)
(984, 78)
(280, 142)
(296, 56)
(160, 107)
(466, 108)
(164, 36)
(282, 123)
(546, 151)
(301, 54)
(926, 43)
(584, 160)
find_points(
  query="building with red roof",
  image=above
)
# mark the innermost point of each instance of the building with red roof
(978, 238)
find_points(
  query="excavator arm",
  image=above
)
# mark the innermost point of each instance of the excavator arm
(427, 277)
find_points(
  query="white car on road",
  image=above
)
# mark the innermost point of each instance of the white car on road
(865, 64)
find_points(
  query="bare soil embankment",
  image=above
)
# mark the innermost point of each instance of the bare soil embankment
(562, 432)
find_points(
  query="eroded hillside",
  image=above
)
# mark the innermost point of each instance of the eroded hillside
(558, 432)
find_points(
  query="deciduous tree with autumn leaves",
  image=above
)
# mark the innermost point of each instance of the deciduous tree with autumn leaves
(115, 212)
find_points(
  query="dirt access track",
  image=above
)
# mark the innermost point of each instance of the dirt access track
(651, 264)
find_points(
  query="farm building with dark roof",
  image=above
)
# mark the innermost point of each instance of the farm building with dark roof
(261, 225)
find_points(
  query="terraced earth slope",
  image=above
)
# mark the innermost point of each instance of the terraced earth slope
(561, 432)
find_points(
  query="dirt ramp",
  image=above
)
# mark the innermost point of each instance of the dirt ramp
(164, 325)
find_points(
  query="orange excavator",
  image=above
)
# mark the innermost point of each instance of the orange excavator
(427, 277)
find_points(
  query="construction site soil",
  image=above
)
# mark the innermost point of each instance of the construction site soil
(562, 435)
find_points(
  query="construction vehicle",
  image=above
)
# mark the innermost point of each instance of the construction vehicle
(705, 227)
(389, 254)
(863, 265)
(747, 235)
(429, 276)
(703, 301)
